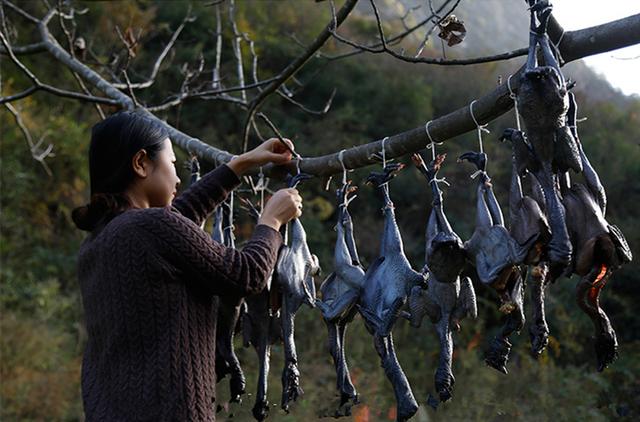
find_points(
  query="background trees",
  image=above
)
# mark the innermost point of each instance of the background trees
(376, 95)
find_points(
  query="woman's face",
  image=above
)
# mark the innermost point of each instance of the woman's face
(162, 182)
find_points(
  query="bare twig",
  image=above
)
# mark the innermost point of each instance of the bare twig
(304, 108)
(71, 39)
(215, 82)
(383, 48)
(21, 12)
(44, 87)
(36, 153)
(156, 66)
(237, 49)
(295, 66)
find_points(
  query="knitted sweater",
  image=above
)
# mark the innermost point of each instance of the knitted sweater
(149, 280)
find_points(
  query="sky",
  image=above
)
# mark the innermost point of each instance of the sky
(620, 67)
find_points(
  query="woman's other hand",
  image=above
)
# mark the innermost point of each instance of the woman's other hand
(270, 151)
(283, 206)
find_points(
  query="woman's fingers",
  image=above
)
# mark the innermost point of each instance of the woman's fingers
(284, 205)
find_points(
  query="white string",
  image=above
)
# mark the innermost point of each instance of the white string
(441, 180)
(262, 188)
(384, 156)
(514, 97)
(556, 46)
(384, 163)
(477, 173)
(432, 144)
(230, 226)
(479, 127)
(298, 162)
(344, 168)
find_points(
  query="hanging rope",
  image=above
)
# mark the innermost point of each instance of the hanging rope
(479, 127)
(344, 168)
(432, 144)
(385, 186)
(230, 225)
(514, 97)
(262, 187)
(556, 47)
(384, 154)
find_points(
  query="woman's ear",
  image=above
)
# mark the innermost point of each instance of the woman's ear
(141, 163)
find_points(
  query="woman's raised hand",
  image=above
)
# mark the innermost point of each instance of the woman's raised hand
(270, 151)
(283, 206)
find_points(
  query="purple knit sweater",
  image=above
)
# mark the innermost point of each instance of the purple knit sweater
(149, 280)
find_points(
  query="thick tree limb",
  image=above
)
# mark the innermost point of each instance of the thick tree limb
(574, 45)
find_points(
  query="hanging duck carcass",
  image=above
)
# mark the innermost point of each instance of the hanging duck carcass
(529, 227)
(340, 293)
(543, 104)
(229, 310)
(447, 298)
(387, 283)
(497, 258)
(261, 329)
(294, 278)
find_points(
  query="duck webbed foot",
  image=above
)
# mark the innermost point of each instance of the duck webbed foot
(538, 330)
(479, 159)
(444, 381)
(498, 354)
(291, 389)
(260, 410)
(606, 345)
(390, 171)
(237, 387)
(539, 335)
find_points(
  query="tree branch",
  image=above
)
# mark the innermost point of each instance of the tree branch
(156, 67)
(44, 87)
(295, 66)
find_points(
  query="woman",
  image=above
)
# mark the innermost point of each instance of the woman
(149, 274)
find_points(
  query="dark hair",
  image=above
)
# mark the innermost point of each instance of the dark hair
(114, 142)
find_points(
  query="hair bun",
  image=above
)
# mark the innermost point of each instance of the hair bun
(102, 208)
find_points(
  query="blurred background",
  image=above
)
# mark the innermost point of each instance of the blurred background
(42, 333)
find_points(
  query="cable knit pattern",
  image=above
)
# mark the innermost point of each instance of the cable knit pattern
(149, 282)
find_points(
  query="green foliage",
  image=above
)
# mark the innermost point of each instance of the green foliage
(42, 333)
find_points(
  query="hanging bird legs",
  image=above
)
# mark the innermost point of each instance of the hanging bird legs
(447, 299)
(294, 278)
(530, 228)
(497, 257)
(599, 248)
(388, 281)
(261, 329)
(340, 293)
(543, 104)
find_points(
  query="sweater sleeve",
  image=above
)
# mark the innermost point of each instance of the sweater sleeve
(217, 268)
(199, 200)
